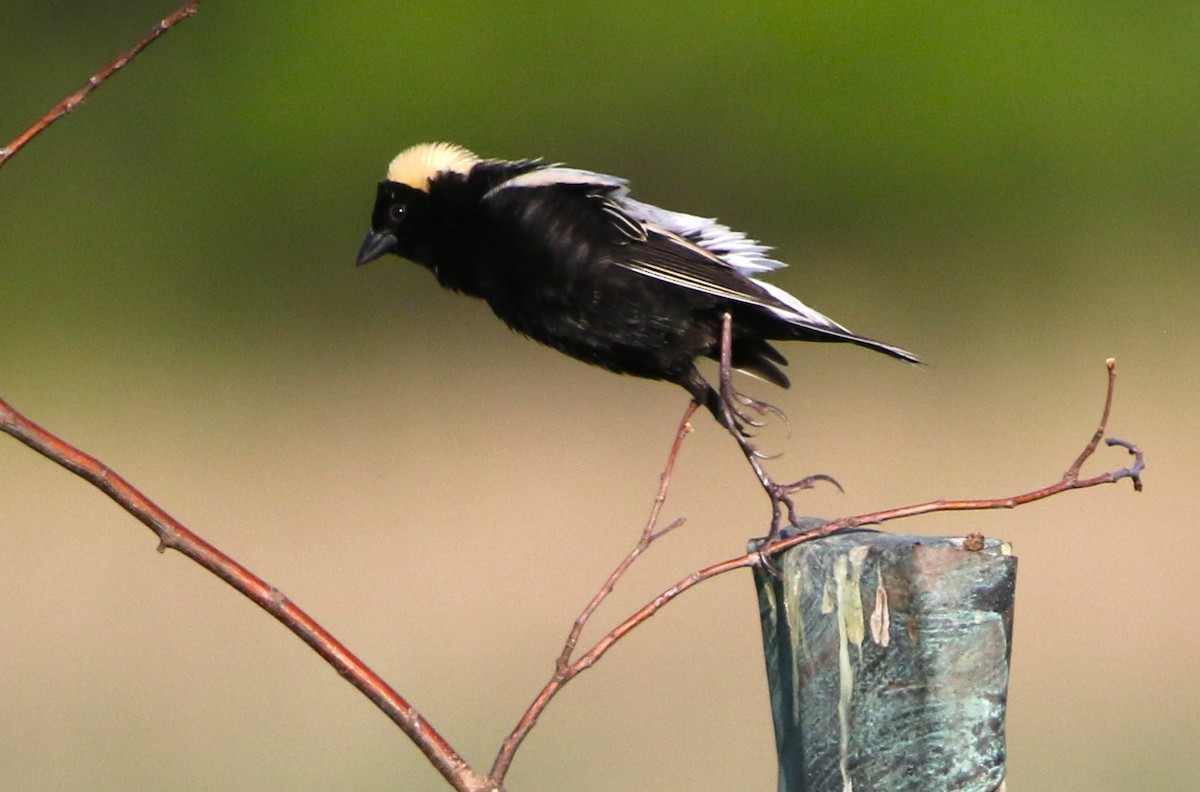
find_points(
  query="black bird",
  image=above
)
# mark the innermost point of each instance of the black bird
(568, 258)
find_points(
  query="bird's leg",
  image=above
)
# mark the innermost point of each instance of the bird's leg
(733, 400)
(725, 406)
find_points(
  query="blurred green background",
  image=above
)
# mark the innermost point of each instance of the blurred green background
(1011, 190)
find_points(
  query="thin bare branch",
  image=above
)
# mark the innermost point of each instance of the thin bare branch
(454, 769)
(1089, 449)
(1069, 481)
(174, 535)
(74, 100)
(649, 534)
(564, 669)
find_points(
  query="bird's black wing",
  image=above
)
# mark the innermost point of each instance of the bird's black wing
(685, 250)
(701, 254)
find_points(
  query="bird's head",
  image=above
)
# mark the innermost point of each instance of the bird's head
(403, 199)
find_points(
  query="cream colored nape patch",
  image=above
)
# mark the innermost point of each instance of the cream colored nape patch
(417, 165)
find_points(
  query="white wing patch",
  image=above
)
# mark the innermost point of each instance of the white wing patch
(781, 303)
(553, 175)
(798, 310)
(745, 255)
(688, 281)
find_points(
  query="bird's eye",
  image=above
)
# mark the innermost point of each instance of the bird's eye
(396, 212)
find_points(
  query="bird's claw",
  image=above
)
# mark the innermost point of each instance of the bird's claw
(781, 501)
(808, 482)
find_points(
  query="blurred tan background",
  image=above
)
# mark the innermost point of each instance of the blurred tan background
(1009, 190)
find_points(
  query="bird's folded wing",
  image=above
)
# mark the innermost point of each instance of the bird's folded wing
(676, 260)
(681, 249)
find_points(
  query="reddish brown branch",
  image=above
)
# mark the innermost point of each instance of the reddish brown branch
(567, 670)
(649, 534)
(76, 99)
(174, 535)
(1089, 449)
(564, 669)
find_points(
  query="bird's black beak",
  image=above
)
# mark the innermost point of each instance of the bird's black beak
(374, 246)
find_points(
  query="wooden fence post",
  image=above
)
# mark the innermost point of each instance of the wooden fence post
(887, 659)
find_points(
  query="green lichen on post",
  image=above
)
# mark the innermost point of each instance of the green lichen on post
(887, 658)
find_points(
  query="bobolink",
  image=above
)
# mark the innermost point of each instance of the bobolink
(568, 258)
